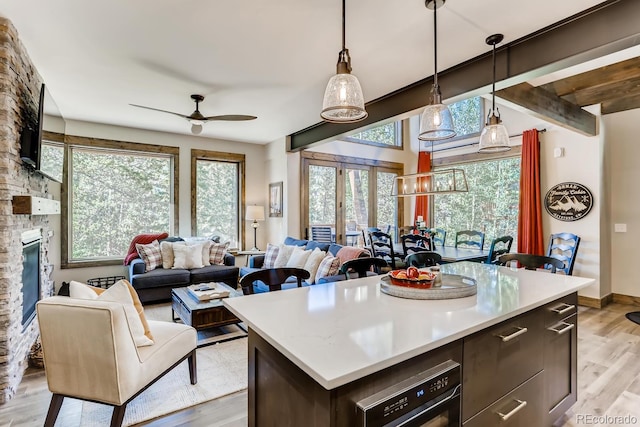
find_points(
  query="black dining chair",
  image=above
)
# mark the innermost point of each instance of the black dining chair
(423, 259)
(439, 236)
(273, 278)
(382, 247)
(499, 246)
(362, 266)
(564, 246)
(532, 262)
(414, 243)
(470, 239)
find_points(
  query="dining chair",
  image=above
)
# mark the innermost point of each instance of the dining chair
(272, 277)
(564, 246)
(532, 262)
(470, 238)
(321, 233)
(439, 236)
(499, 246)
(423, 259)
(362, 267)
(382, 247)
(415, 243)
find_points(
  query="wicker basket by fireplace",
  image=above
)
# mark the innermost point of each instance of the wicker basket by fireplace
(35, 355)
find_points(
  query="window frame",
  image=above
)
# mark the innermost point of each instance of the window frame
(219, 156)
(71, 141)
(398, 129)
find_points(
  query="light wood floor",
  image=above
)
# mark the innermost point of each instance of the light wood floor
(608, 383)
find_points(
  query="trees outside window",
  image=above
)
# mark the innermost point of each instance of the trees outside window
(491, 205)
(389, 134)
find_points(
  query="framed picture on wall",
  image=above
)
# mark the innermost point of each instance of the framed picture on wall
(275, 199)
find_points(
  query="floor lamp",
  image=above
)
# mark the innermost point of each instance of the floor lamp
(255, 214)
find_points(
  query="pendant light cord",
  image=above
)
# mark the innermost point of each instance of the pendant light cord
(493, 86)
(435, 44)
(344, 43)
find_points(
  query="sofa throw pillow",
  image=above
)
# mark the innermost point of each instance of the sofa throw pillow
(144, 239)
(312, 264)
(329, 266)
(187, 256)
(166, 252)
(270, 256)
(150, 254)
(217, 251)
(123, 292)
(284, 253)
(298, 257)
(206, 252)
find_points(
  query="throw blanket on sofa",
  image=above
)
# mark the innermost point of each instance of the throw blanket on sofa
(347, 253)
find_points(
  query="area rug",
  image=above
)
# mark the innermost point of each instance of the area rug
(222, 370)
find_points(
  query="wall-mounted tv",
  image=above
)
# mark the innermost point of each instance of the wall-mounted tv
(32, 134)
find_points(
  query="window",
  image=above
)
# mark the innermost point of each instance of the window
(116, 190)
(491, 205)
(468, 117)
(217, 189)
(389, 135)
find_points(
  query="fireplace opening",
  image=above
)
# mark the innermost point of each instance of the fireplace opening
(30, 274)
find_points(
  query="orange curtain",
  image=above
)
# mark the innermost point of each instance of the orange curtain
(422, 202)
(530, 238)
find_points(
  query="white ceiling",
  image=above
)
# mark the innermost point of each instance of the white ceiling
(268, 59)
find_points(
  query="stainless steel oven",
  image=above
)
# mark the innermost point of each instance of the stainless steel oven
(429, 399)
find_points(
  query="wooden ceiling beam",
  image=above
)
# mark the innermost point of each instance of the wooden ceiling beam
(551, 107)
(608, 91)
(621, 104)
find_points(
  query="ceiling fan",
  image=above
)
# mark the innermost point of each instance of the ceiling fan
(197, 119)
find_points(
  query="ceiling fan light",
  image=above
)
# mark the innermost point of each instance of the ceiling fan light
(196, 122)
(436, 123)
(196, 129)
(343, 100)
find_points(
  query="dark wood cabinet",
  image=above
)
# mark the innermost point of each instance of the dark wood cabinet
(560, 360)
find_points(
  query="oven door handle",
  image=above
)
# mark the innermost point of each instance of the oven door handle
(452, 395)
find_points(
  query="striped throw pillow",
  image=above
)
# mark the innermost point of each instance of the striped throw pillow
(328, 267)
(150, 254)
(270, 256)
(217, 253)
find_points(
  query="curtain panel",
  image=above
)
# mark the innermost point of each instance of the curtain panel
(422, 202)
(530, 237)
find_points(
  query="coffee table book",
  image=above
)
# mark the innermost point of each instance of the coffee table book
(208, 291)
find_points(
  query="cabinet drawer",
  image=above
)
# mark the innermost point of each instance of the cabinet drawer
(560, 309)
(499, 359)
(560, 367)
(520, 408)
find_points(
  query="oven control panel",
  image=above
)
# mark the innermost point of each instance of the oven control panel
(420, 391)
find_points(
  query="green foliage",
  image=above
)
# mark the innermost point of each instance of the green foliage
(357, 201)
(387, 205)
(51, 159)
(383, 134)
(322, 195)
(467, 116)
(116, 196)
(491, 205)
(217, 201)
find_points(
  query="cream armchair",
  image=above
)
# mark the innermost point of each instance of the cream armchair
(90, 354)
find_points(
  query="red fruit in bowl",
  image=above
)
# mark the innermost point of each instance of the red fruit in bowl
(413, 273)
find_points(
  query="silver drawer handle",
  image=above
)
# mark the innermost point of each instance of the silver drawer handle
(517, 333)
(521, 404)
(567, 308)
(567, 328)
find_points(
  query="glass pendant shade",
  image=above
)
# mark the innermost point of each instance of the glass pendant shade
(343, 100)
(436, 123)
(494, 138)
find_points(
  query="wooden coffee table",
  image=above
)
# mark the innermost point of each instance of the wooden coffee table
(211, 319)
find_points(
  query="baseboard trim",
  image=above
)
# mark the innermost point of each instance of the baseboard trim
(595, 302)
(626, 299)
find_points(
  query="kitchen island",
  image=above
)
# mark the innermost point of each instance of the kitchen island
(315, 351)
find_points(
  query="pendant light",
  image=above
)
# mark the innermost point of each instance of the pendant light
(343, 100)
(494, 137)
(436, 122)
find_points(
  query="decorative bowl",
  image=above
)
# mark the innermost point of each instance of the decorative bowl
(425, 280)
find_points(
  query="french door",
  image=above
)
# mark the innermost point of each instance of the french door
(349, 195)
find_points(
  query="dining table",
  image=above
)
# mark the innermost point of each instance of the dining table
(452, 254)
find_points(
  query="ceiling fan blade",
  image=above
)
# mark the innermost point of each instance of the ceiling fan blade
(162, 111)
(232, 117)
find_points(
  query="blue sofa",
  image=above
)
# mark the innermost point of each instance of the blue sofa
(256, 262)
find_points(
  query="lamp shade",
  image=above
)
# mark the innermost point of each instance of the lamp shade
(436, 123)
(343, 99)
(493, 139)
(255, 213)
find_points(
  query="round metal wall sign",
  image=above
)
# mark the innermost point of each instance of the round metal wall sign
(568, 201)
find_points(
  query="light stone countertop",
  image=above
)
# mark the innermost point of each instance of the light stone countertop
(340, 332)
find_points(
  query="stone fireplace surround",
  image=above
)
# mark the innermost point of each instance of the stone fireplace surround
(19, 87)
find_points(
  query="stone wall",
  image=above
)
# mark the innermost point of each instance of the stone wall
(19, 89)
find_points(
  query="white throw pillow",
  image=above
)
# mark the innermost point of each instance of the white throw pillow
(312, 264)
(82, 291)
(284, 253)
(298, 257)
(187, 256)
(166, 250)
(329, 266)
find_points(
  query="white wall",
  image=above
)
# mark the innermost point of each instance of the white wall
(255, 187)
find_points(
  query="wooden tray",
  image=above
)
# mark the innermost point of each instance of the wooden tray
(452, 286)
